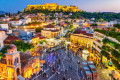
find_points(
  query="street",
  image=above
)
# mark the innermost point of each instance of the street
(68, 67)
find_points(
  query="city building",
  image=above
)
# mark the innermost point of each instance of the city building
(53, 7)
(106, 47)
(3, 36)
(50, 31)
(15, 63)
(16, 22)
(82, 38)
(4, 26)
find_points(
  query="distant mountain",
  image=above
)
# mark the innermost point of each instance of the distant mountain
(2, 12)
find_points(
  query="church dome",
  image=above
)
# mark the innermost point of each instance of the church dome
(11, 49)
(11, 46)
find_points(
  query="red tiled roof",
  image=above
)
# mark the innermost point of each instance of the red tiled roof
(11, 39)
(49, 26)
(34, 37)
(40, 37)
(79, 31)
(94, 27)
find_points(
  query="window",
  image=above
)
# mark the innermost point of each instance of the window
(17, 60)
(1, 68)
(9, 61)
(11, 51)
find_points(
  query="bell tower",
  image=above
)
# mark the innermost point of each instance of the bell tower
(13, 60)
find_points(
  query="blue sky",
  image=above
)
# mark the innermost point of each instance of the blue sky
(87, 5)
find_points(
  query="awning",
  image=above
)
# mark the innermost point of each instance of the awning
(20, 77)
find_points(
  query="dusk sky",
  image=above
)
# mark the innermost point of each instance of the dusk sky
(87, 5)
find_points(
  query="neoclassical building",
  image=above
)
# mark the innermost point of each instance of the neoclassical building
(50, 31)
(15, 64)
(82, 38)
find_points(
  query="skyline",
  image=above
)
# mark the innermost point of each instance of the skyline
(86, 5)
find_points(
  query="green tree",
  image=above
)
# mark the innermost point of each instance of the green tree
(94, 24)
(38, 29)
(51, 18)
(22, 46)
(14, 18)
(117, 25)
(71, 26)
(18, 12)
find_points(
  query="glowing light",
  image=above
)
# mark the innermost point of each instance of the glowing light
(85, 51)
(37, 26)
(51, 39)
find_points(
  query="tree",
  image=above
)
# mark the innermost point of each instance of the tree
(117, 25)
(9, 14)
(2, 15)
(22, 46)
(94, 24)
(71, 26)
(38, 29)
(14, 18)
(18, 12)
(51, 18)
(21, 17)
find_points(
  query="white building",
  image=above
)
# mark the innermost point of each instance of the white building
(24, 21)
(75, 24)
(16, 22)
(4, 26)
(3, 36)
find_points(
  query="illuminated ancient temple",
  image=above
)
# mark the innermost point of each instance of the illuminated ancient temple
(53, 7)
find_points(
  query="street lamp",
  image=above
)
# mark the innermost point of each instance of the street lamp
(67, 43)
(36, 71)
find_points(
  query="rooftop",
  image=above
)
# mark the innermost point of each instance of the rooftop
(11, 46)
(11, 39)
(50, 26)
(79, 31)
(25, 59)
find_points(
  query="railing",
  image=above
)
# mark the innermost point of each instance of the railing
(99, 44)
(99, 50)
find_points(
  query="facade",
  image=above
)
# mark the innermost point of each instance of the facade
(53, 7)
(4, 26)
(106, 49)
(16, 22)
(50, 31)
(97, 45)
(3, 36)
(15, 63)
(82, 38)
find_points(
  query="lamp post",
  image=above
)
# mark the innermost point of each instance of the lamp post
(67, 48)
(36, 71)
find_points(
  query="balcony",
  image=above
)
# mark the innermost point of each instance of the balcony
(99, 33)
(99, 44)
(99, 50)
(98, 38)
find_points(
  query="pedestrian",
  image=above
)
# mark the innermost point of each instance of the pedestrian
(63, 78)
(47, 76)
(75, 70)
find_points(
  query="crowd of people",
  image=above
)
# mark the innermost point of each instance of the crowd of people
(54, 66)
